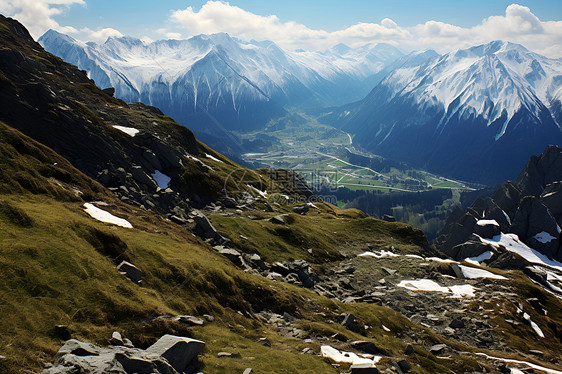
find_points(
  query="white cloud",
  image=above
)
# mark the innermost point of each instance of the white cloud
(37, 15)
(147, 40)
(518, 25)
(99, 36)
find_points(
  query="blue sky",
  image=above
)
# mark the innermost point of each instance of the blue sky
(311, 24)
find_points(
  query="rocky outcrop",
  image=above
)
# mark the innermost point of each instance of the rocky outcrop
(169, 355)
(531, 208)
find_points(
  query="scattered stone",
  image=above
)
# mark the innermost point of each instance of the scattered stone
(457, 270)
(535, 352)
(190, 320)
(409, 350)
(178, 350)
(277, 220)
(229, 355)
(209, 317)
(130, 271)
(204, 227)
(128, 343)
(364, 369)
(350, 322)
(405, 366)
(457, 323)
(247, 371)
(388, 218)
(265, 342)
(437, 348)
(367, 347)
(387, 270)
(116, 339)
(301, 209)
(62, 332)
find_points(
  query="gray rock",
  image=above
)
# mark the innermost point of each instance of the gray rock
(229, 355)
(350, 322)
(116, 339)
(142, 178)
(456, 270)
(136, 363)
(409, 350)
(437, 348)
(204, 227)
(179, 351)
(190, 320)
(367, 347)
(277, 220)
(130, 271)
(388, 218)
(247, 371)
(109, 91)
(487, 231)
(471, 248)
(78, 348)
(405, 366)
(457, 323)
(303, 209)
(364, 369)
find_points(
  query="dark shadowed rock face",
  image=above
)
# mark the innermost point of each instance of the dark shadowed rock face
(531, 208)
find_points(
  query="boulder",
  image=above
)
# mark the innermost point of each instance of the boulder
(405, 366)
(116, 339)
(204, 227)
(388, 218)
(109, 91)
(364, 369)
(552, 198)
(487, 228)
(535, 225)
(277, 220)
(179, 351)
(190, 320)
(470, 248)
(142, 178)
(366, 347)
(303, 209)
(138, 363)
(350, 322)
(130, 271)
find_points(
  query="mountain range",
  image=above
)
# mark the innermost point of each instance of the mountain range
(476, 114)
(129, 246)
(216, 83)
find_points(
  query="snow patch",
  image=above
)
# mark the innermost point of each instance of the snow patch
(544, 237)
(260, 192)
(131, 131)
(348, 357)
(428, 285)
(103, 216)
(213, 158)
(470, 272)
(486, 222)
(512, 243)
(381, 254)
(161, 179)
(478, 259)
(512, 361)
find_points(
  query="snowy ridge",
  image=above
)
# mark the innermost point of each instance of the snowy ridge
(209, 69)
(494, 81)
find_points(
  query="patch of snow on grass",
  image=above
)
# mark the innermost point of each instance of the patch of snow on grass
(544, 237)
(213, 158)
(102, 215)
(161, 179)
(261, 193)
(486, 222)
(444, 260)
(478, 259)
(512, 361)
(512, 243)
(470, 272)
(428, 285)
(347, 357)
(381, 254)
(131, 131)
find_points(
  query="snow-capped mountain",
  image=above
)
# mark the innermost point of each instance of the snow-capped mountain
(476, 113)
(215, 82)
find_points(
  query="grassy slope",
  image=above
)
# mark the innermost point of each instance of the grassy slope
(57, 266)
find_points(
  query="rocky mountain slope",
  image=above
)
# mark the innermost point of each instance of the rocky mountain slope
(518, 227)
(476, 114)
(264, 277)
(213, 83)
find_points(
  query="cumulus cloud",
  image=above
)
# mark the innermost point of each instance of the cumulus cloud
(99, 36)
(518, 25)
(37, 15)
